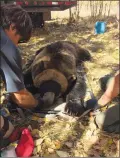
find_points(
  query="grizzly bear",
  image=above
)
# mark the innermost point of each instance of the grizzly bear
(56, 70)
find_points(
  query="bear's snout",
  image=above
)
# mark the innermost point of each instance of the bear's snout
(49, 98)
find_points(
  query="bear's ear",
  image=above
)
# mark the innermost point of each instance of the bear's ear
(84, 55)
(38, 51)
(81, 53)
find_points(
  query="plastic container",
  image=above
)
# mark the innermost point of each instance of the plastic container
(100, 27)
(10, 152)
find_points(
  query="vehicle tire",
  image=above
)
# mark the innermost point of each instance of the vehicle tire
(37, 20)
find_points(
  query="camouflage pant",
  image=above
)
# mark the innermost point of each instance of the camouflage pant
(6, 129)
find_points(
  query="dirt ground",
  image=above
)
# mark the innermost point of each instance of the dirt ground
(62, 138)
(75, 138)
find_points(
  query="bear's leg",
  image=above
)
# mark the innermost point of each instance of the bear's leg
(75, 99)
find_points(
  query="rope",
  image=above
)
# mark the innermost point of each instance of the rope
(90, 90)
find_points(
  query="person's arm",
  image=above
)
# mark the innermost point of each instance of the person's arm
(112, 90)
(24, 99)
(12, 74)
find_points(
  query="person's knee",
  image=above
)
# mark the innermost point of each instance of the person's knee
(6, 127)
(109, 121)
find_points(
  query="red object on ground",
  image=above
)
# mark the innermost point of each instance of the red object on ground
(25, 145)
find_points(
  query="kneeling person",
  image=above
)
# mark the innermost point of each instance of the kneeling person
(15, 26)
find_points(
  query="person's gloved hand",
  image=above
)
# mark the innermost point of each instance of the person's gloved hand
(40, 105)
(92, 104)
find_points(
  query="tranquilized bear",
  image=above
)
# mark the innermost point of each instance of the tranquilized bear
(56, 70)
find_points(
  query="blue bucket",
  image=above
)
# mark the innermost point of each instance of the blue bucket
(100, 27)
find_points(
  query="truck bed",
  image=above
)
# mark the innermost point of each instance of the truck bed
(43, 5)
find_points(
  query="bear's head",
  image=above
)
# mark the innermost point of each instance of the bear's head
(54, 69)
(53, 74)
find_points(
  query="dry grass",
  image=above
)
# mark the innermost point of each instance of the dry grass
(105, 51)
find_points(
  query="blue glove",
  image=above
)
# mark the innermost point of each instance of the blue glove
(40, 105)
(92, 104)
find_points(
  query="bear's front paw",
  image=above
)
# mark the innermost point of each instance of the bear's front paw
(74, 108)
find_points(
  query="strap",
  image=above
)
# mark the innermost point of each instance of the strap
(5, 127)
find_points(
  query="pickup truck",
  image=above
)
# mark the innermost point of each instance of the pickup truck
(40, 10)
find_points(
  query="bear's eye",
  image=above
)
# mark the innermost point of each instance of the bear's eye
(41, 66)
(72, 78)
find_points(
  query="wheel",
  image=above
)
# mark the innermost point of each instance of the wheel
(37, 20)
